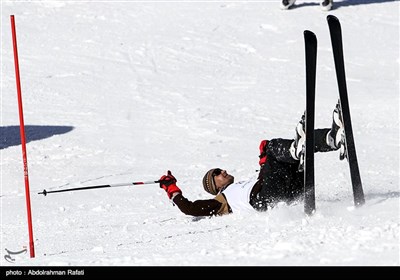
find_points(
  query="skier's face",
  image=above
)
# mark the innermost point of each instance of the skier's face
(222, 179)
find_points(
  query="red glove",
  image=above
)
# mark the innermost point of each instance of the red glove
(263, 152)
(168, 183)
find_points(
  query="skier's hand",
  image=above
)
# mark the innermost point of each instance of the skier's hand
(168, 183)
(263, 152)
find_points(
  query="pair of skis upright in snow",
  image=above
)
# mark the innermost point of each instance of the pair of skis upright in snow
(350, 151)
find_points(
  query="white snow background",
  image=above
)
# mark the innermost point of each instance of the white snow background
(117, 92)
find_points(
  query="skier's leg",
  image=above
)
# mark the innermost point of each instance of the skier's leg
(275, 179)
(285, 150)
(281, 150)
(325, 139)
(296, 186)
(320, 140)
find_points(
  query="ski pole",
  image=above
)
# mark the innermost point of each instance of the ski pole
(44, 192)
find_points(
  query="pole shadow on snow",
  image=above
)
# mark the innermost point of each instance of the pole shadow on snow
(344, 3)
(10, 135)
(381, 197)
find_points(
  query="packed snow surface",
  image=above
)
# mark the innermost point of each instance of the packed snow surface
(122, 91)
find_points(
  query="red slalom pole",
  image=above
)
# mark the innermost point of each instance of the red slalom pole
(23, 141)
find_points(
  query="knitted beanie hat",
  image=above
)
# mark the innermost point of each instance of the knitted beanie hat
(208, 182)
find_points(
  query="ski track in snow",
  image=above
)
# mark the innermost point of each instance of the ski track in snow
(123, 92)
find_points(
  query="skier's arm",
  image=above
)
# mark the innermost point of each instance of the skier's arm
(206, 207)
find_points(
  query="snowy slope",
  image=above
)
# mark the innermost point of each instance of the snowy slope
(119, 92)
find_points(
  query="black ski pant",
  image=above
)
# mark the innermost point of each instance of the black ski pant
(279, 178)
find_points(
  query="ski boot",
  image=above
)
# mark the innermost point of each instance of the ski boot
(326, 5)
(335, 138)
(297, 147)
(286, 4)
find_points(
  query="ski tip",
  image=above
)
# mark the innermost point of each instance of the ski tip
(308, 32)
(334, 24)
(310, 35)
(332, 18)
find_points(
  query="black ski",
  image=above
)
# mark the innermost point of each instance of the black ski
(310, 41)
(350, 149)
